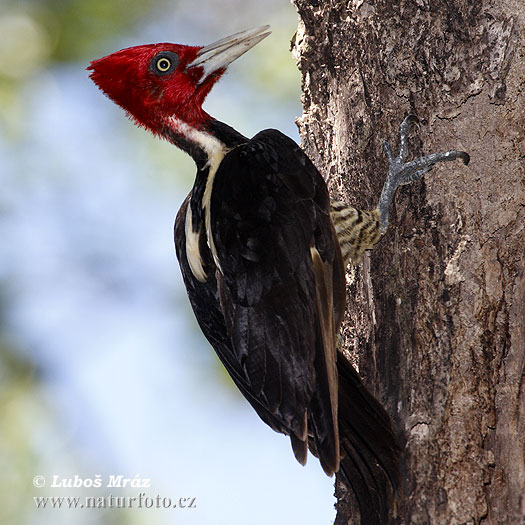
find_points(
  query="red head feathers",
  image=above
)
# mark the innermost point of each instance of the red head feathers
(156, 82)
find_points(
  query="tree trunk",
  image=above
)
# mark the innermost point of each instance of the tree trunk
(436, 313)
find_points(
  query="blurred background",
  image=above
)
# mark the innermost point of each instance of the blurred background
(103, 370)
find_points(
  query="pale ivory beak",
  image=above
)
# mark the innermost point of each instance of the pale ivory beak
(222, 53)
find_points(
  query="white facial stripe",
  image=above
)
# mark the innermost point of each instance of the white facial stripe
(215, 151)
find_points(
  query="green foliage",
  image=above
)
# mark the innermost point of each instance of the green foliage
(76, 29)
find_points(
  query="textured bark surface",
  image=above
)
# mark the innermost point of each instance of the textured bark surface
(436, 313)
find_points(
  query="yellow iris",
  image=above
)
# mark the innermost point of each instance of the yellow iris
(163, 64)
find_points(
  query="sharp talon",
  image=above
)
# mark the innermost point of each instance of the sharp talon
(411, 119)
(465, 157)
(405, 125)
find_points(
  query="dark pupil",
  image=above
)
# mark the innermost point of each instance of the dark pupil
(163, 64)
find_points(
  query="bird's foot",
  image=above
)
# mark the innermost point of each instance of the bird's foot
(401, 172)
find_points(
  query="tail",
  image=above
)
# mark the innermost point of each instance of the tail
(370, 449)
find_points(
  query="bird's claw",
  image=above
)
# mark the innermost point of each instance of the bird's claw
(401, 172)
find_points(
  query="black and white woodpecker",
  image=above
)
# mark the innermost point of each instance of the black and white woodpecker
(263, 252)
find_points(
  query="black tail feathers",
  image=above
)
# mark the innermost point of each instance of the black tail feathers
(370, 449)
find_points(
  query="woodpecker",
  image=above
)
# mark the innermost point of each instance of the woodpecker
(263, 251)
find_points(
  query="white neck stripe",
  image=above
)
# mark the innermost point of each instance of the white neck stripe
(207, 142)
(215, 151)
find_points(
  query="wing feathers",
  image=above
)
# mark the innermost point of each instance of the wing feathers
(327, 426)
(269, 205)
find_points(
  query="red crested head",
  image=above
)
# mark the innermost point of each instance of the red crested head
(157, 82)
(152, 82)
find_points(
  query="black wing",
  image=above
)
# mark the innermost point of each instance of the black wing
(278, 259)
(204, 300)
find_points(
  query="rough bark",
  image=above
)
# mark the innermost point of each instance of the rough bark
(436, 313)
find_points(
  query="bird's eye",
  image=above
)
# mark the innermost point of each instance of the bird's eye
(164, 63)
